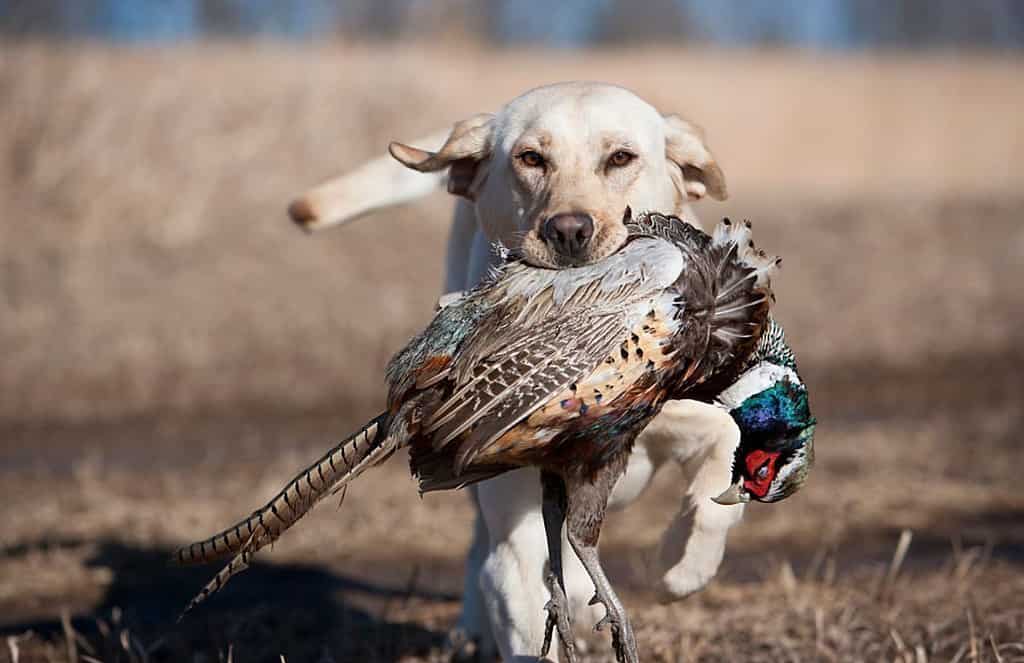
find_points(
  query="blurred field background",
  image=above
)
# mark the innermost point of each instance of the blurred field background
(173, 349)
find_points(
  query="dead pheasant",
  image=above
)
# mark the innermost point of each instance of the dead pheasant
(561, 369)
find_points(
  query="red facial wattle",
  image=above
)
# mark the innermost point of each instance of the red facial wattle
(758, 486)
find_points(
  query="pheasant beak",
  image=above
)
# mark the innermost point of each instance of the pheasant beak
(734, 494)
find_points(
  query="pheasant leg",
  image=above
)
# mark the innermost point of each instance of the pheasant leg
(623, 640)
(558, 607)
(587, 500)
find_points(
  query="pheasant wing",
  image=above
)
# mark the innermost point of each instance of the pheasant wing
(525, 373)
(543, 330)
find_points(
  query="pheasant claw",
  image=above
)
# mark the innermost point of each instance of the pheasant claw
(558, 618)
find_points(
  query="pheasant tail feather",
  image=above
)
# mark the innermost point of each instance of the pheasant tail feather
(331, 473)
(742, 285)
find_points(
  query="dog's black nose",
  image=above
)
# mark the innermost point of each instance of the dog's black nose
(568, 234)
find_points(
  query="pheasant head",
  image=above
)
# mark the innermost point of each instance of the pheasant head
(769, 404)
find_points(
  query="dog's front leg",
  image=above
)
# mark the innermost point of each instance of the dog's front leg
(512, 577)
(702, 439)
(471, 639)
(464, 249)
(469, 258)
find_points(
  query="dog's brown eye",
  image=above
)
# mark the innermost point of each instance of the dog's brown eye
(532, 159)
(620, 159)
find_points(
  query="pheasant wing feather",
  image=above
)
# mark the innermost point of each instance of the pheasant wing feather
(513, 383)
(555, 326)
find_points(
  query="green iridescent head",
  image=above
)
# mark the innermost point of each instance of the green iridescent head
(769, 404)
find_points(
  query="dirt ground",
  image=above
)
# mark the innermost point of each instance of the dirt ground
(173, 350)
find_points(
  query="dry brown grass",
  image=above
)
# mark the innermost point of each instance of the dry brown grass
(146, 257)
(173, 349)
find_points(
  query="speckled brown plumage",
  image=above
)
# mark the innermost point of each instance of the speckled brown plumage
(558, 369)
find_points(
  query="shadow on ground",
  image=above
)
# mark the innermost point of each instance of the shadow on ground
(988, 535)
(301, 611)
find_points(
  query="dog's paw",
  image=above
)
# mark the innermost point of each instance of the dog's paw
(685, 578)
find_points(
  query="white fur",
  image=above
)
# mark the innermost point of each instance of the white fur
(504, 593)
(702, 438)
(374, 185)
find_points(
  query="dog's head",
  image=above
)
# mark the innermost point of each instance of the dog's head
(554, 171)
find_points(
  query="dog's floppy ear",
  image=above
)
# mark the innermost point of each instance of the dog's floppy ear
(468, 147)
(697, 173)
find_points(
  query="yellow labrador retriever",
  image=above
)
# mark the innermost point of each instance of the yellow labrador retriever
(551, 174)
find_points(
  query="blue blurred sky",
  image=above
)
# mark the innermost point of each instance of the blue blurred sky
(825, 24)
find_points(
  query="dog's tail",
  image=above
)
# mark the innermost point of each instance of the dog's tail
(376, 184)
(331, 473)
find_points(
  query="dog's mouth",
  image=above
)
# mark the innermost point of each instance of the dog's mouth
(538, 254)
(551, 250)
(559, 261)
